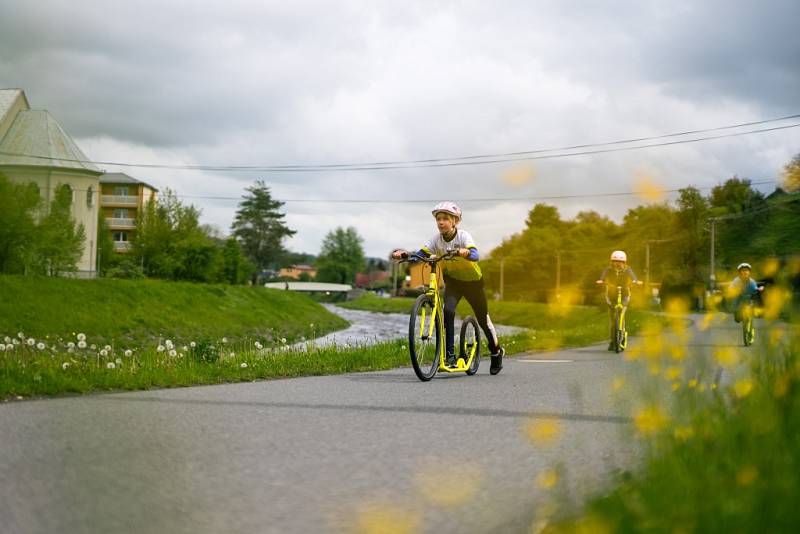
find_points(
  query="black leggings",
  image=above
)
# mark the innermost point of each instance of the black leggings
(473, 292)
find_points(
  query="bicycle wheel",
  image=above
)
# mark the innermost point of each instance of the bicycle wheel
(470, 343)
(748, 332)
(619, 333)
(423, 338)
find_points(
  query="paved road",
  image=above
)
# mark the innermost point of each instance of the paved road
(316, 454)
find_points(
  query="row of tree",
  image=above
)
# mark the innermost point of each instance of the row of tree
(747, 226)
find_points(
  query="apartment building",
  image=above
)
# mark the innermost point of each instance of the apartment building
(122, 198)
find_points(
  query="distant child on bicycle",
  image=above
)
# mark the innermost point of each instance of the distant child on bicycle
(742, 289)
(618, 274)
(462, 278)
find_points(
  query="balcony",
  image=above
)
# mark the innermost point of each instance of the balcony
(121, 246)
(119, 200)
(120, 224)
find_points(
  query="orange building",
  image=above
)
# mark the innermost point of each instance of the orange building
(296, 270)
(122, 198)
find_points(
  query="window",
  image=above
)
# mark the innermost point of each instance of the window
(120, 213)
(121, 237)
(90, 197)
(121, 190)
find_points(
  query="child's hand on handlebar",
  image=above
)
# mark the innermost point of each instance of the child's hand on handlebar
(399, 254)
(463, 252)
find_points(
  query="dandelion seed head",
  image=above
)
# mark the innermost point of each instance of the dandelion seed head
(193, 344)
(64, 365)
(81, 337)
(20, 335)
(243, 365)
(160, 348)
(30, 341)
(128, 353)
(93, 346)
(104, 353)
(10, 346)
(172, 353)
(118, 361)
(224, 339)
(110, 365)
(81, 344)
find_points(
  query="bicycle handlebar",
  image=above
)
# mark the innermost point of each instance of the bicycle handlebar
(433, 258)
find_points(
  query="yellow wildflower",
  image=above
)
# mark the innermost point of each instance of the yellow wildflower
(683, 433)
(543, 432)
(547, 478)
(747, 475)
(649, 420)
(743, 387)
(726, 356)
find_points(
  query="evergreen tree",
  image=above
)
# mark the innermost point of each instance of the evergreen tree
(260, 228)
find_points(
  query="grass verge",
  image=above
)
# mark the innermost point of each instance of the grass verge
(139, 312)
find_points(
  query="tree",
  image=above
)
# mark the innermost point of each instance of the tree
(341, 257)
(260, 228)
(791, 175)
(170, 242)
(17, 224)
(693, 212)
(60, 243)
(235, 267)
(735, 196)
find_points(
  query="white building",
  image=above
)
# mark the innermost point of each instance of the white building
(35, 148)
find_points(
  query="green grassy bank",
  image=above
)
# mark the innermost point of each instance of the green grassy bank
(137, 313)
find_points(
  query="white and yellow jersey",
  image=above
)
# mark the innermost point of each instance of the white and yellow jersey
(465, 269)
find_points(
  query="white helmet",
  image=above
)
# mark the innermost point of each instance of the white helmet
(619, 255)
(744, 266)
(447, 207)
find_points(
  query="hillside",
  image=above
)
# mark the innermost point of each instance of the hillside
(141, 311)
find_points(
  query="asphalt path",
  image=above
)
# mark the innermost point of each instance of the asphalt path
(339, 453)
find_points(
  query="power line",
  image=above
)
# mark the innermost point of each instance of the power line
(462, 200)
(485, 159)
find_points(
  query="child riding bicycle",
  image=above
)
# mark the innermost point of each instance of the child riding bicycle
(618, 274)
(462, 278)
(742, 289)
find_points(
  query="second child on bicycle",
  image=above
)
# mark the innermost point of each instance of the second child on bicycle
(618, 274)
(462, 278)
(742, 289)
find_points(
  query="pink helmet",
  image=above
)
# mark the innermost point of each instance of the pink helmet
(619, 255)
(447, 207)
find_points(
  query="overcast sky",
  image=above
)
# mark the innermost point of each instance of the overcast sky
(257, 83)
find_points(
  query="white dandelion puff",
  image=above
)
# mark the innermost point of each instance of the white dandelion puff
(110, 365)
(81, 337)
(108, 348)
(193, 344)
(30, 341)
(41, 346)
(65, 365)
(104, 353)
(118, 361)
(243, 365)
(160, 348)
(128, 353)
(81, 344)
(173, 353)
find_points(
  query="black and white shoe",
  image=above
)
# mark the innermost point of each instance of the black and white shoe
(497, 361)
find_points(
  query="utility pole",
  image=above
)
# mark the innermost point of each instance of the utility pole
(502, 276)
(647, 266)
(558, 275)
(712, 277)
